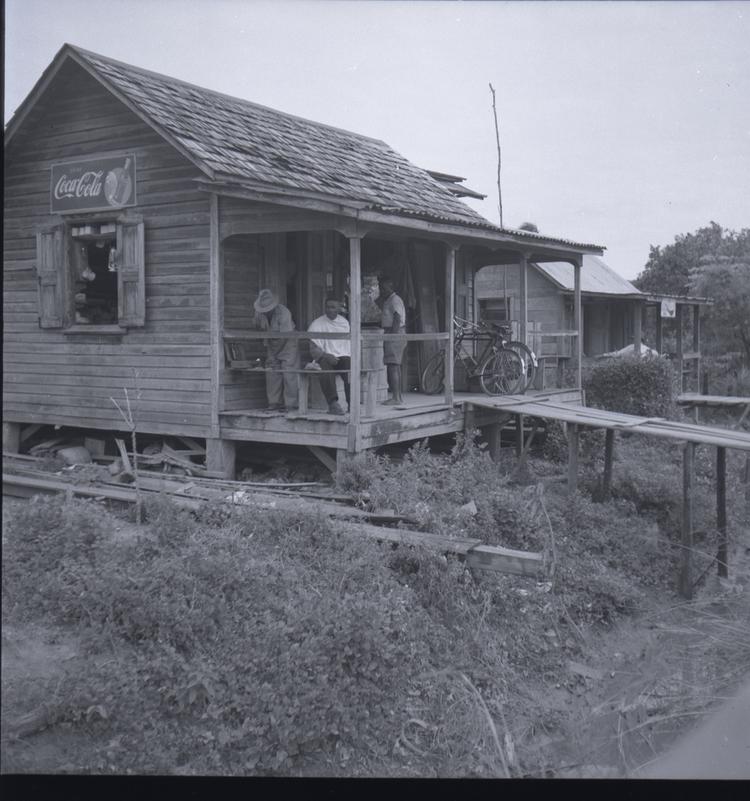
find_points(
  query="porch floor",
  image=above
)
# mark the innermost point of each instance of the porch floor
(418, 416)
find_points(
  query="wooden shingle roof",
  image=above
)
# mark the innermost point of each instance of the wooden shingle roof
(234, 141)
(244, 140)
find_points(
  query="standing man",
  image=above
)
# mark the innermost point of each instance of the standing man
(393, 321)
(281, 354)
(332, 354)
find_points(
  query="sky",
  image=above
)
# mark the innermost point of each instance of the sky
(621, 123)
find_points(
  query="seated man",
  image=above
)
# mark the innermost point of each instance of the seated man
(332, 354)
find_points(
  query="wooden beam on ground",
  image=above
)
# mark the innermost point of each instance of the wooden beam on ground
(721, 509)
(572, 457)
(685, 583)
(609, 453)
(127, 467)
(476, 554)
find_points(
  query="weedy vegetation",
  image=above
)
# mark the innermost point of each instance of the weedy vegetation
(249, 641)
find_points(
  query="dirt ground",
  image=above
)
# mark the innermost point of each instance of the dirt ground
(643, 686)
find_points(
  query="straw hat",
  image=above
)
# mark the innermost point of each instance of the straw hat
(266, 301)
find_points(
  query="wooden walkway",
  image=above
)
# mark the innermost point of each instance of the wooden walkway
(689, 435)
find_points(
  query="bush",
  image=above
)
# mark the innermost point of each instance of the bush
(632, 385)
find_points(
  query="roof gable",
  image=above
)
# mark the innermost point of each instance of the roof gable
(261, 149)
(231, 137)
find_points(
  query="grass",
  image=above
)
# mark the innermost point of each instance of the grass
(248, 641)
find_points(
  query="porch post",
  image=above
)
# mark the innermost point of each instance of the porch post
(679, 349)
(216, 302)
(355, 325)
(697, 345)
(637, 327)
(523, 296)
(578, 320)
(659, 328)
(450, 280)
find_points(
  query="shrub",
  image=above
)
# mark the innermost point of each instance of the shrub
(632, 385)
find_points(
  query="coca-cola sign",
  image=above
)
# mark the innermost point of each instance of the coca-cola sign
(93, 184)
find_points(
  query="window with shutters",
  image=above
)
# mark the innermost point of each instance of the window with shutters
(91, 275)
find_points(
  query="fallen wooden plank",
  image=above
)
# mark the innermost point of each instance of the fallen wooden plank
(13, 484)
(476, 554)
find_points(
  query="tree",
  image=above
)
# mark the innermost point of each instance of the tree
(713, 263)
(727, 282)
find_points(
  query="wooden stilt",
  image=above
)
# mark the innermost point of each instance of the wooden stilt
(572, 457)
(220, 457)
(11, 437)
(685, 583)
(609, 452)
(519, 434)
(342, 458)
(493, 440)
(323, 457)
(721, 510)
(527, 447)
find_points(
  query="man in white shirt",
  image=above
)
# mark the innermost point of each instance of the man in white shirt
(332, 354)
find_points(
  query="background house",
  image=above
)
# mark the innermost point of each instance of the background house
(614, 312)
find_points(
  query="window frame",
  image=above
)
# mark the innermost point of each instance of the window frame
(56, 262)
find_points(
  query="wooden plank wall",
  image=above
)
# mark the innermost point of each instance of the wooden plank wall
(50, 377)
(545, 308)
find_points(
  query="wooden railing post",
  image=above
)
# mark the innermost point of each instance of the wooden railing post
(609, 453)
(721, 509)
(523, 298)
(685, 583)
(697, 345)
(578, 320)
(659, 329)
(450, 280)
(572, 457)
(679, 349)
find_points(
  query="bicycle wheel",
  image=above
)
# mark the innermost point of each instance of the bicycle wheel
(433, 375)
(529, 360)
(502, 373)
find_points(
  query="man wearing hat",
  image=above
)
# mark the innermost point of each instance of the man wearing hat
(281, 354)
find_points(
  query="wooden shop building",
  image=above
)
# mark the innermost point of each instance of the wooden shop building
(142, 216)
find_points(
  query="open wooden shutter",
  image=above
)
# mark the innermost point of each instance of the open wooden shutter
(50, 263)
(131, 282)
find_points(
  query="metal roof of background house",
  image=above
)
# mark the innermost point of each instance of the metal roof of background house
(233, 139)
(596, 277)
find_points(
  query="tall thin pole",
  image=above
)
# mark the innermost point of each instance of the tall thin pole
(499, 158)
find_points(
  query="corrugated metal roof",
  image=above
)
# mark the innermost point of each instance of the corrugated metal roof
(596, 277)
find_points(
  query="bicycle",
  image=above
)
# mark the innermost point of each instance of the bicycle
(500, 370)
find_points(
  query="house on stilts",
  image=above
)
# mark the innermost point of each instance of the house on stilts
(143, 214)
